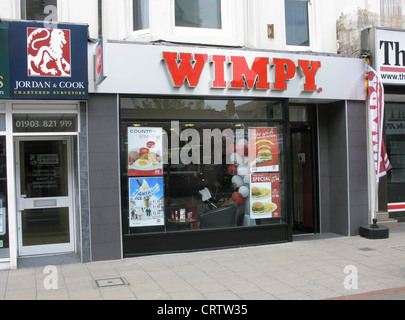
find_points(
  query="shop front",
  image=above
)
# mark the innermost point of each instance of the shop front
(43, 94)
(387, 58)
(198, 148)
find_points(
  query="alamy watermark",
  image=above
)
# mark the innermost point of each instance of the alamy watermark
(351, 282)
(51, 280)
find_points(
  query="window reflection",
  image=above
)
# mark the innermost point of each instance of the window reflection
(140, 14)
(35, 9)
(297, 25)
(206, 178)
(142, 108)
(198, 13)
(395, 143)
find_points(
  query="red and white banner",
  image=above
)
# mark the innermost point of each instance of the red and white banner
(376, 118)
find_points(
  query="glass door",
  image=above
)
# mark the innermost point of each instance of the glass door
(44, 195)
(303, 182)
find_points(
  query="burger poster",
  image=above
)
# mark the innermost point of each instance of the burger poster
(145, 149)
(263, 150)
(265, 195)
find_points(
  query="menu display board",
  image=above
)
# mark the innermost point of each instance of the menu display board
(265, 195)
(145, 149)
(146, 202)
(263, 150)
(265, 177)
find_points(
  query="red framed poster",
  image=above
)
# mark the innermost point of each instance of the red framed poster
(145, 149)
(265, 195)
(263, 150)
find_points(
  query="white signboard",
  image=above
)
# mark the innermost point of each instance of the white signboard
(206, 71)
(389, 55)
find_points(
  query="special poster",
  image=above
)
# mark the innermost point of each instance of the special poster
(263, 150)
(146, 202)
(145, 149)
(265, 196)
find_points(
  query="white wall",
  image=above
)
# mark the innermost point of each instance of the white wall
(244, 22)
(80, 11)
(264, 12)
(348, 6)
(73, 11)
(9, 9)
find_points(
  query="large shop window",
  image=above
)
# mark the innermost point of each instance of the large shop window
(395, 140)
(224, 168)
(198, 13)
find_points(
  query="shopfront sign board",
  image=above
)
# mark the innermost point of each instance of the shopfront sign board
(388, 55)
(100, 65)
(206, 71)
(47, 62)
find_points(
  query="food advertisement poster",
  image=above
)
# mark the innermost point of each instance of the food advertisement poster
(265, 195)
(263, 150)
(146, 202)
(145, 149)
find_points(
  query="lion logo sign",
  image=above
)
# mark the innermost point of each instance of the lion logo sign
(48, 52)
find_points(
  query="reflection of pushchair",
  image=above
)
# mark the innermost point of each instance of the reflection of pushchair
(206, 199)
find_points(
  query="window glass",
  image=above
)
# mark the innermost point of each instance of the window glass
(35, 9)
(198, 13)
(296, 20)
(2, 122)
(301, 113)
(148, 108)
(395, 143)
(140, 14)
(197, 174)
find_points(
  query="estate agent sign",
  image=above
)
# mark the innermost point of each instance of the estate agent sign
(44, 62)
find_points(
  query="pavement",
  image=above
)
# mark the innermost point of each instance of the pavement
(312, 267)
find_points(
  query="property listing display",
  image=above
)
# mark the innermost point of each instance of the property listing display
(265, 177)
(146, 202)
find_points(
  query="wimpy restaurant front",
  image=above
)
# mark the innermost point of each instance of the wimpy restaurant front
(194, 148)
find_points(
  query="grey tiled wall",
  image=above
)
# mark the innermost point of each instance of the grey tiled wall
(343, 167)
(104, 177)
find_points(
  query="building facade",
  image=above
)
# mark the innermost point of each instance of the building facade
(201, 125)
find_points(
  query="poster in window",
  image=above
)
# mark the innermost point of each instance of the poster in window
(145, 149)
(263, 150)
(146, 202)
(265, 196)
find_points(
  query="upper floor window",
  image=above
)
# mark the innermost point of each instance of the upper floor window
(38, 9)
(141, 14)
(198, 13)
(297, 22)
